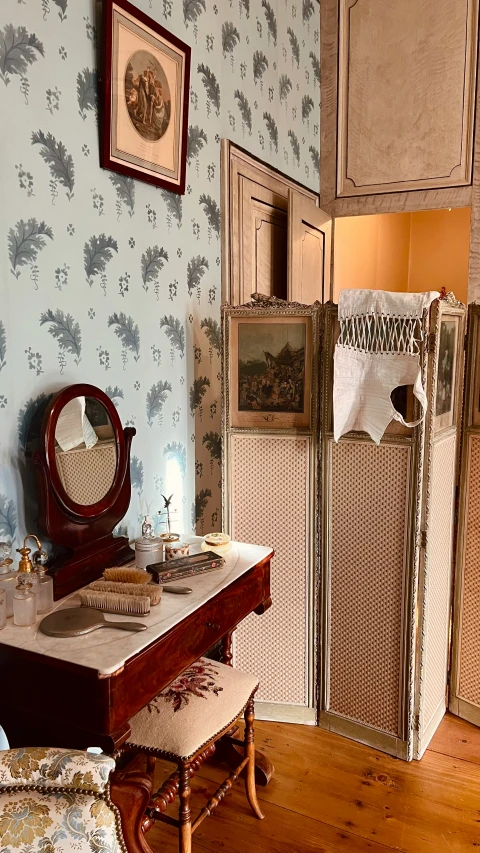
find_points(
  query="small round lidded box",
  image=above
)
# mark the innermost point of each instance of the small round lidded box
(148, 548)
(176, 549)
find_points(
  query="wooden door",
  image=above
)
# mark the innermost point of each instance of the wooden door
(263, 242)
(309, 251)
(255, 215)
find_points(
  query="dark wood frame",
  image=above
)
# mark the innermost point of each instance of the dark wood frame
(85, 531)
(106, 92)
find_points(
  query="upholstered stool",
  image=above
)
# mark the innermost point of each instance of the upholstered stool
(182, 724)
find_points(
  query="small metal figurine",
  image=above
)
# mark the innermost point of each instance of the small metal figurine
(166, 513)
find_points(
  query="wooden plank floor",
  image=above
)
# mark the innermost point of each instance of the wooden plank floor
(331, 795)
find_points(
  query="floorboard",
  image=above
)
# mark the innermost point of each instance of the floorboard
(331, 795)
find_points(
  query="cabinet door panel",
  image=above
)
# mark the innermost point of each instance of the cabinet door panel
(406, 103)
(263, 263)
(398, 104)
(309, 251)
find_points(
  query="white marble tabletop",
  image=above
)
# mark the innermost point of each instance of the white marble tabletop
(106, 650)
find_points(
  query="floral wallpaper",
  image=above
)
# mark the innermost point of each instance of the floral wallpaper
(110, 281)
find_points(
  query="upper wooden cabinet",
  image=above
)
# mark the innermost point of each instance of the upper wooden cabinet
(275, 239)
(398, 104)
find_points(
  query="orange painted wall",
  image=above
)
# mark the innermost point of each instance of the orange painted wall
(372, 252)
(403, 252)
(439, 248)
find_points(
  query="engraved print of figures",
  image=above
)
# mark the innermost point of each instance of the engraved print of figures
(147, 95)
(447, 357)
(271, 367)
(270, 370)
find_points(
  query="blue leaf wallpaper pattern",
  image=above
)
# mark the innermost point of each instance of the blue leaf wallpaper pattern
(59, 162)
(18, 50)
(25, 242)
(87, 95)
(3, 346)
(115, 282)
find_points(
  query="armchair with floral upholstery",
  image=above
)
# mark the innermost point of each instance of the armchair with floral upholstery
(59, 800)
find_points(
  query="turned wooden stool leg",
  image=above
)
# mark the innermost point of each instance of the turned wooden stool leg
(185, 815)
(249, 752)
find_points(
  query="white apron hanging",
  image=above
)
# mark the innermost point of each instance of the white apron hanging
(377, 350)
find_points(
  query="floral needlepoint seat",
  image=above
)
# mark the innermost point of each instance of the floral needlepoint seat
(57, 800)
(182, 724)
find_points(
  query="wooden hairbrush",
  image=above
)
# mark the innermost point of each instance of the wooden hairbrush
(153, 590)
(110, 602)
(122, 574)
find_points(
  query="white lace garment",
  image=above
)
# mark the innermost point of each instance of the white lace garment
(377, 351)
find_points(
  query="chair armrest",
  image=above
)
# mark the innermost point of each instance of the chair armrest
(130, 791)
(54, 768)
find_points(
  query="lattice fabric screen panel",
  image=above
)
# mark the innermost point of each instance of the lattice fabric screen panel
(438, 580)
(87, 473)
(469, 640)
(368, 495)
(270, 500)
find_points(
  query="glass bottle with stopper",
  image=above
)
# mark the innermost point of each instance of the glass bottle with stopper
(8, 575)
(44, 590)
(24, 605)
(26, 572)
(166, 518)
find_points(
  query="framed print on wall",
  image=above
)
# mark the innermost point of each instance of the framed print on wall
(145, 77)
(270, 371)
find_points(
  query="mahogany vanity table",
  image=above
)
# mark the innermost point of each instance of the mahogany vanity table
(82, 691)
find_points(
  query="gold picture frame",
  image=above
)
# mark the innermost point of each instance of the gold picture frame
(269, 366)
(446, 392)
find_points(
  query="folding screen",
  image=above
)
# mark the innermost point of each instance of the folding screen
(379, 548)
(271, 487)
(465, 679)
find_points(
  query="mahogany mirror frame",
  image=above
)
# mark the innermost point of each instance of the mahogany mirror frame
(83, 532)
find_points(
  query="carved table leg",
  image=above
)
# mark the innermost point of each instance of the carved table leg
(227, 654)
(228, 749)
(231, 750)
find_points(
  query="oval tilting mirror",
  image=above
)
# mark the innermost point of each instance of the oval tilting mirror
(85, 450)
(83, 474)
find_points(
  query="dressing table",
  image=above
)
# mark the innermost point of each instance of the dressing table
(81, 691)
